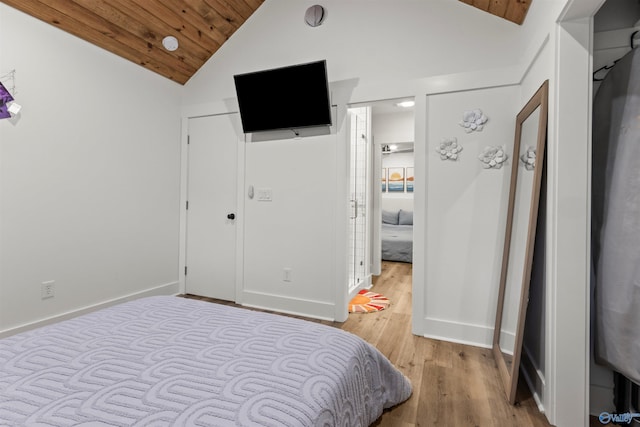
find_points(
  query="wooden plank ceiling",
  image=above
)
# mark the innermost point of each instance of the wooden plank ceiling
(511, 10)
(134, 29)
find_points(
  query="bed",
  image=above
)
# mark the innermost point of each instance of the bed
(397, 236)
(171, 361)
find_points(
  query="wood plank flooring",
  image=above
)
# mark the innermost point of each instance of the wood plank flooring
(453, 384)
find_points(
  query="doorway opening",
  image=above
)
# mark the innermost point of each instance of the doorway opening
(381, 187)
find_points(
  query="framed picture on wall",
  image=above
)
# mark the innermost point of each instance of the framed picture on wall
(409, 180)
(384, 180)
(395, 180)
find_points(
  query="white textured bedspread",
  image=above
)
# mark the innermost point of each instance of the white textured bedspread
(169, 361)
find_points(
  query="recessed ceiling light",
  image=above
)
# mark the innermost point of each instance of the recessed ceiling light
(170, 43)
(406, 104)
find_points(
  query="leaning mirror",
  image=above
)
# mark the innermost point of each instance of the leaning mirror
(524, 194)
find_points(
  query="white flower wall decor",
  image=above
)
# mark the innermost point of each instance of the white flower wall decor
(449, 149)
(473, 120)
(493, 157)
(529, 158)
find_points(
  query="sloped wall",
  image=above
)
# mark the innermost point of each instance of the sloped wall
(367, 41)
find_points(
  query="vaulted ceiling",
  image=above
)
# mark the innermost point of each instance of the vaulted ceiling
(135, 29)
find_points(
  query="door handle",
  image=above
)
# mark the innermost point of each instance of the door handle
(231, 216)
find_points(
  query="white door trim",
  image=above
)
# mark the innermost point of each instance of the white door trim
(568, 311)
(184, 170)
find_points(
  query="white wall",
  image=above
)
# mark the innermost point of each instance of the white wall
(466, 215)
(390, 128)
(290, 230)
(89, 175)
(417, 38)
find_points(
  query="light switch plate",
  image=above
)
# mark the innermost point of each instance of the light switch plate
(264, 194)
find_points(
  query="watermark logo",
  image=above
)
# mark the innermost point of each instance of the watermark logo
(627, 417)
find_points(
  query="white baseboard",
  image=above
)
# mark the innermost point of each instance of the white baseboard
(533, 376)
(166, 289)
(458, 332)
(284, 304)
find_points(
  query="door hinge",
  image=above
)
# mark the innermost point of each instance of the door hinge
(185, 270)
(187, 205)
(188, 139)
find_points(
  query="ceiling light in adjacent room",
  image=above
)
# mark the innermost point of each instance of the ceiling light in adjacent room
(170, 43)
(406, 104)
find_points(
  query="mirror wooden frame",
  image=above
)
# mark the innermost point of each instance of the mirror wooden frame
(509, 374)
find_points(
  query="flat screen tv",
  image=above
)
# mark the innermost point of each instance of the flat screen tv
(290, 97)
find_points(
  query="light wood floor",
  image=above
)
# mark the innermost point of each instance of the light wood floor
(454, 385)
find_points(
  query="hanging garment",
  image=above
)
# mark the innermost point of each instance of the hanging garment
(616, 217)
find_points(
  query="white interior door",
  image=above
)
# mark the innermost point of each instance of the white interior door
(211, 212)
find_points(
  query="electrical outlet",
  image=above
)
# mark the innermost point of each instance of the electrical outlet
(286, 274)
(48, 289)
